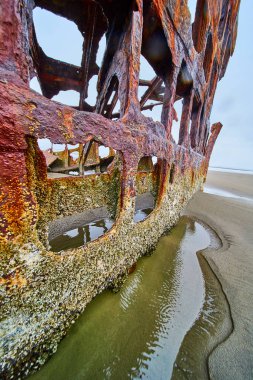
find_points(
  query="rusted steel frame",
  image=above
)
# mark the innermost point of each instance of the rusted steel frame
(81, 148)
(88, 45)
(112, 105)
(106, 109)
(200, 25)
(39, 117)
(54, 75)
(226, 47)
(157, 97)
(64, 156)
(209, 57)
(14, 55)
(107, 90)
(92, 154)
(143, 82)
(213, 82)
(176, 42)
(169, 100)
(215, 130)
(35, 49)
(151, 106)
(225, 11)
(70, 126)
(195, 127)
(153, 85)
(85, 153)
(148, 107)
(26, 116)
(202, 127)
(125, 66)
(185, 120)
(129, 98)
(211, 92)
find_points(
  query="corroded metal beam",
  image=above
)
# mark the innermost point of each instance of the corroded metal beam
(189, 56)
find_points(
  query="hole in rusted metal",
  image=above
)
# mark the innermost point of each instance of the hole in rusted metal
(109, 104)
(178, 108)
(195, 122)
(79, 160)
(69, 98)
(60, 39)
(106, 156)
(154, 160)
(147, 183)
(145, 164)
(35, 85)
(89, 161)
(154, 43)
(92, 91)
(101, 51)
(182, 108)
(61, 159)
(82, 199)
(192, 5)
(77, 230)
(44, 144)
(104, 151)
(184, 80)
(151, 91)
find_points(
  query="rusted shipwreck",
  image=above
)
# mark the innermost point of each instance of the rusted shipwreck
(43, 292)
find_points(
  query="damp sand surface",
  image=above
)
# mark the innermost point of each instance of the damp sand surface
(137, 332)
(232, 218)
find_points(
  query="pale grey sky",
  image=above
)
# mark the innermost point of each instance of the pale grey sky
(233, 106)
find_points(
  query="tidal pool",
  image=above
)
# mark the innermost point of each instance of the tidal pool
(142, 214)
(137, 332)
(81, 235)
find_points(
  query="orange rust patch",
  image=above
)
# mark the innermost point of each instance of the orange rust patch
(14, 279)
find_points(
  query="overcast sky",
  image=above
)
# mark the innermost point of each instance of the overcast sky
(233, 105)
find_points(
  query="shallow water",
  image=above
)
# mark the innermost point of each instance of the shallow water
(137, 332)
(81, 235)
(142, 214)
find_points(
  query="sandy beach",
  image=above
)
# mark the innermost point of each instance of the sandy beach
(227, 206)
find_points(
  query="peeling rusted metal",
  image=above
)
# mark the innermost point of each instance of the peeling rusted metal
(187, 60)
(188, 57)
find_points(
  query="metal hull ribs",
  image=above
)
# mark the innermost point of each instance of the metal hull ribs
(44, 291)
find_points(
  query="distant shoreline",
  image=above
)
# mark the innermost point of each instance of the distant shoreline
(230, 170)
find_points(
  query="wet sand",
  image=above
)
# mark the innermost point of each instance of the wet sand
(231, 216)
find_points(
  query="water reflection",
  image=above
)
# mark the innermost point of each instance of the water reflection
(137, 332)
(142, 214)
(81, 235)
